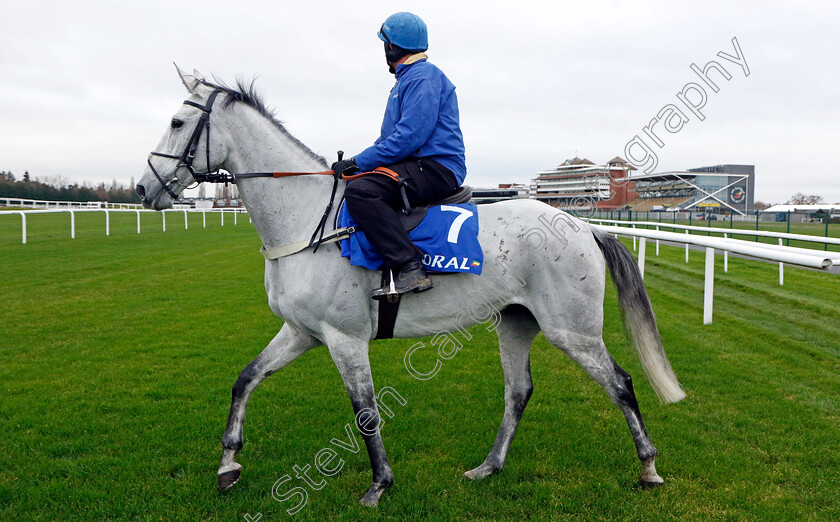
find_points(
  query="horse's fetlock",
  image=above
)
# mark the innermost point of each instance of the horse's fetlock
(648, 454)
(231, 443)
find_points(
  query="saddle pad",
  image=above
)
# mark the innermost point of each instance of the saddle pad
(447, 237)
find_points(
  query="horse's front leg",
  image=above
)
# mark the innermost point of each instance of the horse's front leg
(351, 357)
(286, 346)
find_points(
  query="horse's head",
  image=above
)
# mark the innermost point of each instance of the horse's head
(185, 152)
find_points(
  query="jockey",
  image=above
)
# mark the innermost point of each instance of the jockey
(420, 140)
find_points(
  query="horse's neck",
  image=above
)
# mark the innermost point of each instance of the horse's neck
(283, 210)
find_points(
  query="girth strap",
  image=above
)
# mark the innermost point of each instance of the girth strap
(293, 248)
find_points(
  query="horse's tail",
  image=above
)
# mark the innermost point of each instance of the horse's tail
(638, 317)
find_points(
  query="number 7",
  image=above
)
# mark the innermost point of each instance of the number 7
(455, 228)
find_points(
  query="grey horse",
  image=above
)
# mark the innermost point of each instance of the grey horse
(544, 271)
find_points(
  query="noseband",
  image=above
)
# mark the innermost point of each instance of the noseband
(186, 158)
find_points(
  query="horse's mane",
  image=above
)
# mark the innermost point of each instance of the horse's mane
(247, 94)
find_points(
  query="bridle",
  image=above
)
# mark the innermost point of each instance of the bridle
(188, 156)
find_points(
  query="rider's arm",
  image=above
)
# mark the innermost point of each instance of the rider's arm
(419, 104)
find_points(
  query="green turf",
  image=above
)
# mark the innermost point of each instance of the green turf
(117, 355)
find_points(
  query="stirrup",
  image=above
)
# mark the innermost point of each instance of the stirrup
(392, 296)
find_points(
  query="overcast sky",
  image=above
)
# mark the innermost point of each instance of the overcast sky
(88, 87)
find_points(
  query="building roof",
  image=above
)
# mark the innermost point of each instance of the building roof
(803, 208)
(621, 161)
(575, 161)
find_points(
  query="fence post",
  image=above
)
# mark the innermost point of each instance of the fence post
(23, 225)
(222, 213)
(186, 223)
(138, 221)
(235, 212)
(204, 218)
(788, 226)
(827, 214)
(686, 249)
(709, 290)
(107, 223)
(781, 268)
(163, 213)
(756, 225)
(72, 224)
(726, 257)
(657, 244)
(642, 256)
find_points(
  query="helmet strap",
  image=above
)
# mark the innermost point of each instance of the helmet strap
(392, 54)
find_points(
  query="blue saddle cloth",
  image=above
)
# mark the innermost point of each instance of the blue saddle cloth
(447, 237)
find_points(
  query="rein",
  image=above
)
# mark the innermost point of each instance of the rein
(188, 156)
(220, 177)
(336, 235)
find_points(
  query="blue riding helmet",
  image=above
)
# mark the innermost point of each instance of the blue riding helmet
(405, 30)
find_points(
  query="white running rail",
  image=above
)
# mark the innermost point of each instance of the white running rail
(108, 212)
(811, 258)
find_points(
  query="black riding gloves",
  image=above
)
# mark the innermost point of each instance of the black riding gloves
(346, 167)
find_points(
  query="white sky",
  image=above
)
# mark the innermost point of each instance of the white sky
(88, 87)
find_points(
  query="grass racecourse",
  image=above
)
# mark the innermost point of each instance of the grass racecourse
(118, 354)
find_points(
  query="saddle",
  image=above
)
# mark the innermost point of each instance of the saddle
(411, 217)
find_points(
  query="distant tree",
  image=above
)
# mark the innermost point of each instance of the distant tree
(59, 188)
(760, 205)
(803, 199)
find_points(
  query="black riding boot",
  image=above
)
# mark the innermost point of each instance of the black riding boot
(412, 276)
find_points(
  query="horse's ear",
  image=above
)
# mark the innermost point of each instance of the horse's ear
(191, 82)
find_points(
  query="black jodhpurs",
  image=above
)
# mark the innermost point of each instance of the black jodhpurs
(374, 201)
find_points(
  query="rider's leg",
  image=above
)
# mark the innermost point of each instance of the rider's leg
(373, 200)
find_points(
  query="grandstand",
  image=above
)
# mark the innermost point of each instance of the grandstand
(655, 204)
(721, 189)
(579, 183)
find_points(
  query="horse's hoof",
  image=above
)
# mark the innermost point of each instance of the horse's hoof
(650, 478)
(230, 476)
(371, 499)
(480, 472)
(651, 482)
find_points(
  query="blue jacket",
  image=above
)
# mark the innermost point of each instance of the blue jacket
(421, 120)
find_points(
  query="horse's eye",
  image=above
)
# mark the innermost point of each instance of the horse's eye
(176, 123)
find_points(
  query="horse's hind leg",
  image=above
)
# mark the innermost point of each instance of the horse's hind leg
(286, 346)
(516, 332)
(591, 354)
